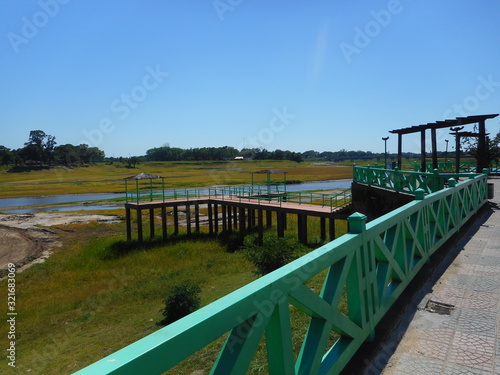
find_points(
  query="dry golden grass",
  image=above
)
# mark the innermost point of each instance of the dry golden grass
(104, 178)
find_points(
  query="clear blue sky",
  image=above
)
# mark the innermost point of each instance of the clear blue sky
(127, 76)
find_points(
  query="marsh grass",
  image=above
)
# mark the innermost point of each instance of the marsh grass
(98, 293)
(105, 178)
(81, 304)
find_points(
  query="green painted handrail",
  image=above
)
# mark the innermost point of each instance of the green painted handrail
(154, 190)
(405, 181)
(372, 264)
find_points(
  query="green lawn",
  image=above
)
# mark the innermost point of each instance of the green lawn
(103, 178)
(83, 303)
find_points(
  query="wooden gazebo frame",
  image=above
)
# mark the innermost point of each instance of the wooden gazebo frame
(477, 119)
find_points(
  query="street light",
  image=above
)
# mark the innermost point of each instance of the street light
(385, 144)
(446, 154)
(457, 147)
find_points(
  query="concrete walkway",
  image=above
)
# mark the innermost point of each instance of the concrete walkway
(456, 328)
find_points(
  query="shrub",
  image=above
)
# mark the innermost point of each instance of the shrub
(233, 241)
(273, 254)
(182, 300)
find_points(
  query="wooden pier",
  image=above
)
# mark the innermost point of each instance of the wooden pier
(230, 213)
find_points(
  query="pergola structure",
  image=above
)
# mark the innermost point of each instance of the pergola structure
(477, 119)
(268, 182)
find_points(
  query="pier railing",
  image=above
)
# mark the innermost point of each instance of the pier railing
(242, 193)
(450, 165)
(370, 266)
(140, 191)
(406, 181)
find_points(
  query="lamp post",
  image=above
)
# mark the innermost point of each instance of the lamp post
(457, 147)
(385, 152)
(446, 154)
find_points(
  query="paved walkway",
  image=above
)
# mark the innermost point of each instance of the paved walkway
(465, 337)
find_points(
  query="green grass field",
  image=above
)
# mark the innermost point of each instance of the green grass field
(103, 178)
(83, 304)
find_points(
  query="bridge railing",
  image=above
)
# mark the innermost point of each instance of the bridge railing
(405, 181)
(140, 191)
(262, 194)
(448, 165)
(371, 266)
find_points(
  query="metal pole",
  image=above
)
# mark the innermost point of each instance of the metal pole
(385, 151)
(457, 147)
(163, 188)
(446, 155)
(137, 190)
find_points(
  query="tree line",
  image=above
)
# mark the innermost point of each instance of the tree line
(41, 149)
(167, 153)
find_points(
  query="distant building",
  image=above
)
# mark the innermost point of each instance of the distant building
(239, 158)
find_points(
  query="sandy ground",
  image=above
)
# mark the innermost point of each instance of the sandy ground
(26, 239)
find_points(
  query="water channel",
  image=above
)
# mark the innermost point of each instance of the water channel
(22, 204)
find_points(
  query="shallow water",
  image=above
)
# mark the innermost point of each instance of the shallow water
(65, 208)
(58, 199)
(55, 199)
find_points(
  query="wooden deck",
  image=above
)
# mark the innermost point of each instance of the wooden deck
(228, 213)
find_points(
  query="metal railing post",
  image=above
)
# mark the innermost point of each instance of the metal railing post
(137, 190)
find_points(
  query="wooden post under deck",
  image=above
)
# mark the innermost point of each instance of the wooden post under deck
(164, 222)
(151, 223)
(129, 224)
(139, 225)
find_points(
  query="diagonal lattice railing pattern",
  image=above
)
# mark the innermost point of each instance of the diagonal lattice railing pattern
(372, 265)
(405, 181)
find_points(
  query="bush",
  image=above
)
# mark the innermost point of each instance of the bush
(273, 254)
(233, 241)
(182, 300)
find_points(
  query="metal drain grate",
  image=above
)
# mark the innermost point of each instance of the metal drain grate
(439, 307)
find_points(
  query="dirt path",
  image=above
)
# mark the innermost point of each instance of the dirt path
(15, 246)
(26, 239)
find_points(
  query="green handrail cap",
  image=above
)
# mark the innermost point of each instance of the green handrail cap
(357, 216)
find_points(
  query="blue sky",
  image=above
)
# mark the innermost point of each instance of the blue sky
(126, 76)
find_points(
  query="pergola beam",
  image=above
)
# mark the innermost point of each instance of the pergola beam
(480, 119)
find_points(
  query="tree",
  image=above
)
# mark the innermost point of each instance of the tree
(39, 148)
(67, 154)
(48, 148)
(470, 146)
(71, 155)
(133, 161)
(6, 156)
(182, 300)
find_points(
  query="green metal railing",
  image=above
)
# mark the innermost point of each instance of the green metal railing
(449, 165)
(140, 191)
(248, 193)
(372, 265)
(405, 181)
